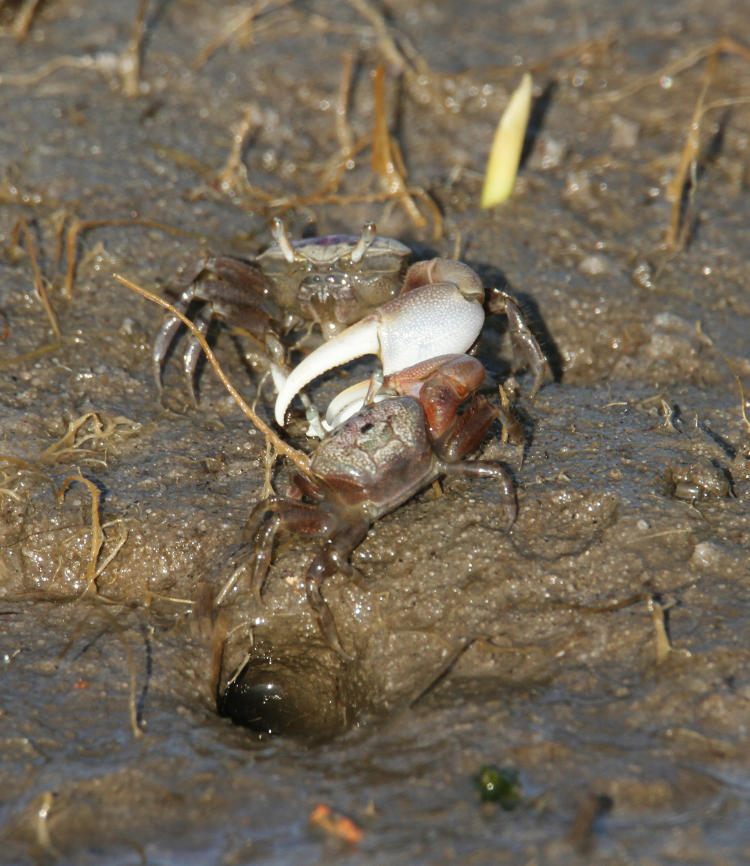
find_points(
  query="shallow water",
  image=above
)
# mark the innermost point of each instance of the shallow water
(536, 648)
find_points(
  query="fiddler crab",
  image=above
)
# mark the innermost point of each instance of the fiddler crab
(329, 282)
(386, 438)
(375, 461)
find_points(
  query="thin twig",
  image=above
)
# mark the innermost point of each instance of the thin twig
(401, 54)
(244, 18)
(77, 227)
(343, 128)
(21, 228)
(676, 186)
(386, 158)
(678, 227)
(300, 460)
(234, 169)
(681, 64)
(24, 17)
(130, 60)
(97, 536)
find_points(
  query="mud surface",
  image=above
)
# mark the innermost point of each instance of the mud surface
(546, 648)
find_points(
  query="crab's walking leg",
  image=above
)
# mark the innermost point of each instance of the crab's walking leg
(483, 469)
(277, 513)
(193, 351)
(332, 558)
(525, 345)
(272, 515)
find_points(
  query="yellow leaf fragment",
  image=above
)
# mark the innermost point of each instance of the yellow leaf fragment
(502, 165)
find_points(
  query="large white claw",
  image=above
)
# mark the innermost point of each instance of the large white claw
(433, 319)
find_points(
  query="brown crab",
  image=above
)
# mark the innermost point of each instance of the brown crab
(376, 461)
(329, 281)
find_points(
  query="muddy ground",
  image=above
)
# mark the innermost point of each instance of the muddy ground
(599, 647)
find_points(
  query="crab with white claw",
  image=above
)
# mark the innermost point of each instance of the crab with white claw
(440, 310)
(329, 281)
(375, 462)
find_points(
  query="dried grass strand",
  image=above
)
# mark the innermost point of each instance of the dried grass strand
(131, 58)
(97, 535)
(243, 18)
(77, 227)
(300, 460)
(23, 19)
(679, 225)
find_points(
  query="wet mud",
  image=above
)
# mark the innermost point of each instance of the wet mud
(598, 647)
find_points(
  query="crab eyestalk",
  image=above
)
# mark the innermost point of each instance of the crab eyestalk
(278, 233)
(364, 243)
(440, 312)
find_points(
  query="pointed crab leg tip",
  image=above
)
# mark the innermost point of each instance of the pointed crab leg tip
(354, 342)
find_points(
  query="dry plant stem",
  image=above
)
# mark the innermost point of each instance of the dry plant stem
(23, 19)
(332, 175)
(43, 839)
(105, 62)
(724, 45)
(239, 136)
(71, 444)
(130, 61)
(244, 18)
(400, 54)
(234, 170)
(26, 79)
(300, 460)
(119, 544)
(675, 238)
(381, 145)
(150, 597)
(664, 648)
(343, 129)
(268, 464)
(126, 64)
(22, 227)
(600, 46)
(383, 158)
(386, 163)
(678, 228)
(97, 536)
(78, 227)
(135, 723)
(99, 62)
(743, 402)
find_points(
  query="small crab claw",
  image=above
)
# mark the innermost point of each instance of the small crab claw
(349, 401)
(440, 312)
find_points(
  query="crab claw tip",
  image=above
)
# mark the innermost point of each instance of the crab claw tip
(357, 340)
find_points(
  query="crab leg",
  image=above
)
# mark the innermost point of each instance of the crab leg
(525, 345)
(440, 311)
